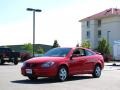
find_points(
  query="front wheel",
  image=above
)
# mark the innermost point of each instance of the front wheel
(97, 72)
(15, 62)
(62, 73)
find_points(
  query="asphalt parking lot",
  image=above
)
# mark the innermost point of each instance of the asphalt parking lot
(11, 79)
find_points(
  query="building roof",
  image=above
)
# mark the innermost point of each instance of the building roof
(105, 13)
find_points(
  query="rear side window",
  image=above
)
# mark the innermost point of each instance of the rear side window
(88, 53)
(79, 51)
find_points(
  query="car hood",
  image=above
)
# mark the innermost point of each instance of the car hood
(44, 59)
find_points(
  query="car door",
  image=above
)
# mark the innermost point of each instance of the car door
(76, 62)
(88, 64)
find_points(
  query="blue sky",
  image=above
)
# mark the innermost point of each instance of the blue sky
(15, 10)
(58, 20)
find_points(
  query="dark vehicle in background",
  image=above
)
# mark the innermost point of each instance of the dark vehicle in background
(25, 56)
(7, 55)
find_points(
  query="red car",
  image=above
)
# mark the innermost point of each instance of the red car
(64, 62)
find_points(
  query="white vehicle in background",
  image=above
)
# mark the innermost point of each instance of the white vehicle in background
(116, 50)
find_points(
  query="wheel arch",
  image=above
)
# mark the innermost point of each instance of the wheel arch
(98, 64)
(64, 65)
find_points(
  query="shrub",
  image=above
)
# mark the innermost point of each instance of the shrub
(104, 49)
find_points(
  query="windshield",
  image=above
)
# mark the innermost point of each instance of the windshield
(57, 52)
(5, 50)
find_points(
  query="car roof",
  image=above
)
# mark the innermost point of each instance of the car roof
(77, 47)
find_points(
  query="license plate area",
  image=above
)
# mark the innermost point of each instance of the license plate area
(29, 71)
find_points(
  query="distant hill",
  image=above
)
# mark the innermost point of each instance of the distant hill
(19, 48)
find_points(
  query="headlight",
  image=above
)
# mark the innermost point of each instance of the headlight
(24, 64)
(47, 64)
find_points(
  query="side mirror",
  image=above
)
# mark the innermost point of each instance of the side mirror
(71, 57)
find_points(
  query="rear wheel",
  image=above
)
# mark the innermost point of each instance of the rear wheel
(32, 77)
(62, 73)
(97, 72)
(15, 62)
(1, 62)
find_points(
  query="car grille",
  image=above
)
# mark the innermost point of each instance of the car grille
(32, 65)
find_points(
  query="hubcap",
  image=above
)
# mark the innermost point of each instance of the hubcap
(98, 71)
(62, 74)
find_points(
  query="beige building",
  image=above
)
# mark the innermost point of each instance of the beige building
(105, 24)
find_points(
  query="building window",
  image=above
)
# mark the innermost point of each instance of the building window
(88, 24)
(99, 33)
(99, 23)
(88, 34)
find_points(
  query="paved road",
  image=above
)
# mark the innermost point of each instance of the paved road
(11, 79)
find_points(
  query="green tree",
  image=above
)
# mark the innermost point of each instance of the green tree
(103, 47)
(40, 50)
(86, 44)
(28, 47)
(55, 44)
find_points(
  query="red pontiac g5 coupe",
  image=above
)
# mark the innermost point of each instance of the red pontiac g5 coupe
(64, 62)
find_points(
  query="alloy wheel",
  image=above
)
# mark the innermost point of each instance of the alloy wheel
(97, 72)
(62, 75)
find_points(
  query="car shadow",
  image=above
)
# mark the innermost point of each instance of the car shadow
(74, 78)
(50, 80)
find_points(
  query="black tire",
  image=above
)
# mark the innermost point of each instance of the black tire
(1, 62)
(15, 62)
(97, 72)
(32, 77)
(62, 74)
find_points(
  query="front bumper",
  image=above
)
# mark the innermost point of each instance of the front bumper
(39, 72)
